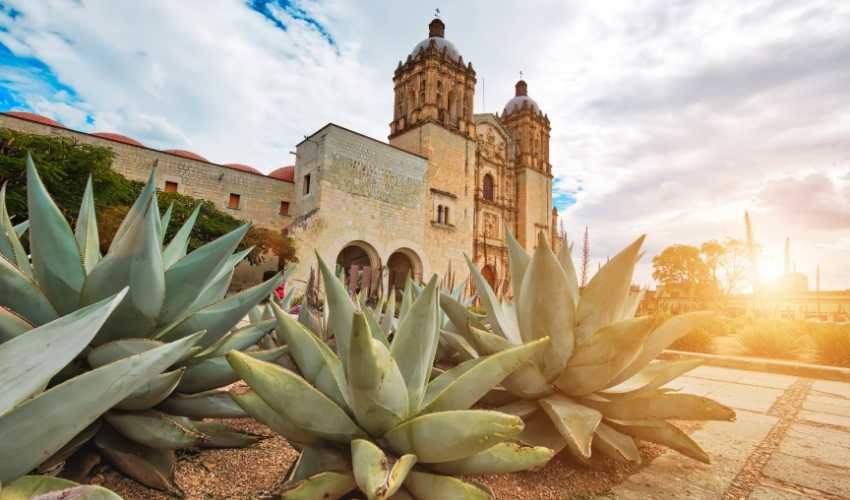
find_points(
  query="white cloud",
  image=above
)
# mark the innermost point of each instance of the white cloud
(669, 118)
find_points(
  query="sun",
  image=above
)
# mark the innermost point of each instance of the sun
(771, 268)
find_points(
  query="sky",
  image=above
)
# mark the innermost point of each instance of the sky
(669, 118)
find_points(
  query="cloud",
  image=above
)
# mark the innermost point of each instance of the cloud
(669, 118)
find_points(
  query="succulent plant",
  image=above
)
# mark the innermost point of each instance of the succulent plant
(171, 295)
(372, 417)
(53, 488)
(598, 385)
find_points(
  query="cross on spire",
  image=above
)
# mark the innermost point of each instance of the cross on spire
(520, 74)
(437, 12)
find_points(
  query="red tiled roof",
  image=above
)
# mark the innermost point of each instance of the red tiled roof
(186, 154)
(34, 118)
(243, 167)
(118, 138)
(286, 173)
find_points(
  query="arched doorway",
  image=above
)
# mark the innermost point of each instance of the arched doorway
(489, 274)
(360, 266)
(403, 263)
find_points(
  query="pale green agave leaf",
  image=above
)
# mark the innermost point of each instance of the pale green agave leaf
(452, 435)
(502, 458)
(12, 325)
(165, 221)
(176, 249)
(665, 434)
(462, 386)
(375, 326)
(565, 258)
(30, 361)
(118, 349)
(324, 485)
(207, 404)
(663, 406)
(254, 406)
(49, 487)
(86, 231)
(575, 422)
(156, 429)
(546, 309)
(519, 260)
(372, 472)
(149, 466)
(539, 430)
(340, 307)
(218, 287)
(318, 364)
(236, 340)
(221, 436)
(279, 387)
(655, 375)
(457, 345)
(138, 209)
(152, 392)
(415, 344)
(21, 228)
(217, 372)
(616, 445)
(10, 244)
(315, 459)
(426, 486)
(377, 390)
(57, 265)
(388, 320)
(40, 426)
(495, 313)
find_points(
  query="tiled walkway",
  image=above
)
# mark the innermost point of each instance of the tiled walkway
(791, 441)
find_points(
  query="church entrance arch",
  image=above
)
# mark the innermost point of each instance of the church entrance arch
(403, 262)
(360, 265)
(489, 274)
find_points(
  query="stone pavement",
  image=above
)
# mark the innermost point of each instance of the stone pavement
(791, 441)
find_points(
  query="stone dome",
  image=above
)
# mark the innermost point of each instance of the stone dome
(521, 99)
(436, 32)
(119, 138)
(286, 173)
(243, 167)
(24, 115)
(186, 154)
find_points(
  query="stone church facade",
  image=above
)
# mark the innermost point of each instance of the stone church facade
(445, 184)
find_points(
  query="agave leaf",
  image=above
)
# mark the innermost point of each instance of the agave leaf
(388, 320)
(598, 359)
(415, 344)
(138, 209)
(376, 387)
(663, 433)
(118, 349)
(165, 221)
(86, 231)
(541, 431)
(340, 308)
(216, 372)
(221, 436)
(219, 318)
(488, 343)
(616, 445)
(220, 284)
(375, 326)
(663, 406)
(40, 426)
(426, 486)
(12, 325)
(457, 345)
(602, 299)
(28, 487)
(176, 249)
(10, 245)
(186, 279)
(255, 315)
(661, 337)
(407, 299)
(317, 362)
(315, 459)
(152, 392)
(149, 466)
(630, 305)
(30, 361)
(82, 492)
(155, 429)
(650, 378)
(575, 422)
(325, 485)
(519, 260)
(495, 314)
(208, 404)
(458, 314)
(372, 471)
(502, 458)
(522, 408)
(254, 406)
(546, 309)
(237, 340)
(70, 447)
(452, 435)
(21, 228)
(57, 265)
(526, 381)
(279, 387)
(134, 261)
(565, 259)
(462, 386)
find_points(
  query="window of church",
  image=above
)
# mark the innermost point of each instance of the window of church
(488, 187)
(446, 215)
(233, 201)
(284, 208)
(170, 187)
(440, 214)
(306, 188)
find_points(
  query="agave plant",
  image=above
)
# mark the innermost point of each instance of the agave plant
(372, 418)
(597, 386)
(172, 295)
(53, 488)
(38, 424)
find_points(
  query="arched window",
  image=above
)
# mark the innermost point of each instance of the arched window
(439, 214)
(488, 187)
(446, 215)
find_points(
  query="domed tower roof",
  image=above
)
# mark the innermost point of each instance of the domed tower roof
(118, 138)
(286, 173)
(436, 34)
(186, 154)
(24, 115)
(243, 167)
(521, 99)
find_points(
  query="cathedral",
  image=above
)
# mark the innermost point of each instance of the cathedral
(446, 183)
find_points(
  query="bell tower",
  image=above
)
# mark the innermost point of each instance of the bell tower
(434, 85)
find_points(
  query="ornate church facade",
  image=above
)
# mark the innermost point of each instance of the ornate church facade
(447, 182)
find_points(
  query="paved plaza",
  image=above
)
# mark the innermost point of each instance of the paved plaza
(791, 441)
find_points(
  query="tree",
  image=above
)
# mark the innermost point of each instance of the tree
(732, 266)
(681, 269)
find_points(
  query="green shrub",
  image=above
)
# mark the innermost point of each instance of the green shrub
(832, 343)
(699, 340)
(772, 338)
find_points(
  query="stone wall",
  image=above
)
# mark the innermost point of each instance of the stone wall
(534, 206)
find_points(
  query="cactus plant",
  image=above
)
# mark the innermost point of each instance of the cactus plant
(597, 387)
(171, 296)
(371, 417)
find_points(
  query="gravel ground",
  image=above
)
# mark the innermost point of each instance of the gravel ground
(251, 473)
